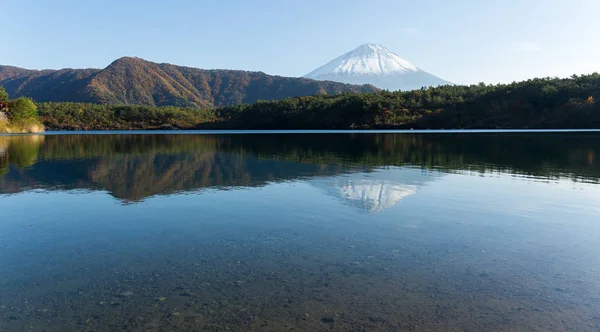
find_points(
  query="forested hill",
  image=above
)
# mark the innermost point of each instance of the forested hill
(130, 80)
(538, 103)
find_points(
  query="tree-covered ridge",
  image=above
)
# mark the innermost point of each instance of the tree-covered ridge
(7, 72)
(134, 81)
(82, 116)
(537, 103)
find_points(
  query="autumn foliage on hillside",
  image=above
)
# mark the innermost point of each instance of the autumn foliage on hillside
(134, 81)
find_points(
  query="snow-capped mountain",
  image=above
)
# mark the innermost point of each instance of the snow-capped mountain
(376, 65)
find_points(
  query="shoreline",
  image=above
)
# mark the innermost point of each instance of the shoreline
(300, 131)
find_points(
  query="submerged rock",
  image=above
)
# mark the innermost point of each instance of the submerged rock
(125, 294)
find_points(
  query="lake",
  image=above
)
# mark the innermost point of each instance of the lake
(484, 231)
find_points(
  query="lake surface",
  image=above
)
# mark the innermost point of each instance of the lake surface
(300, 232)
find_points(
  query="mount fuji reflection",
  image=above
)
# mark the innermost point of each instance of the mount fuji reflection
(376, 190)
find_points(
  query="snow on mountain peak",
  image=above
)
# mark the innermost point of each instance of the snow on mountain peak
(376, 65)
(367, 59)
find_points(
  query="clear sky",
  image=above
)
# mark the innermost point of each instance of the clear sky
(463, 41)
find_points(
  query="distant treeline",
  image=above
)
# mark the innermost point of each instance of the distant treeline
(537, 103)
(80, 116)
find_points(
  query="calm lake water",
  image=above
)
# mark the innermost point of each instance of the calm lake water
(303, 232)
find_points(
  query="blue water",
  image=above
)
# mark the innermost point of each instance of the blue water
(304, 232)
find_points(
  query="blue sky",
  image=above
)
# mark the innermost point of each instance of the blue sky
(463, 41)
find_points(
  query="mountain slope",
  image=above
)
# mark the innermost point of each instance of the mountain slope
(131, 80)
(7, 72)
(50, 85)
(376, 65)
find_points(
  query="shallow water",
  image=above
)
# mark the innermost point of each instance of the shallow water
(304, 232)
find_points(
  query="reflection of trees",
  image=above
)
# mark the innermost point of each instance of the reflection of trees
(21, 151)
(3, 157)
(136, 166)
(133, 177)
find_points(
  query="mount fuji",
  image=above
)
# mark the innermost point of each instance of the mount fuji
(376, 65)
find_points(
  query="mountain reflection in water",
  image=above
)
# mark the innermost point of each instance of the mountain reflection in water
(377, 190)
(310, 232)
(134, 167)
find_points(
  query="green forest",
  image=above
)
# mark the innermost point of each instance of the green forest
(537, 103)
